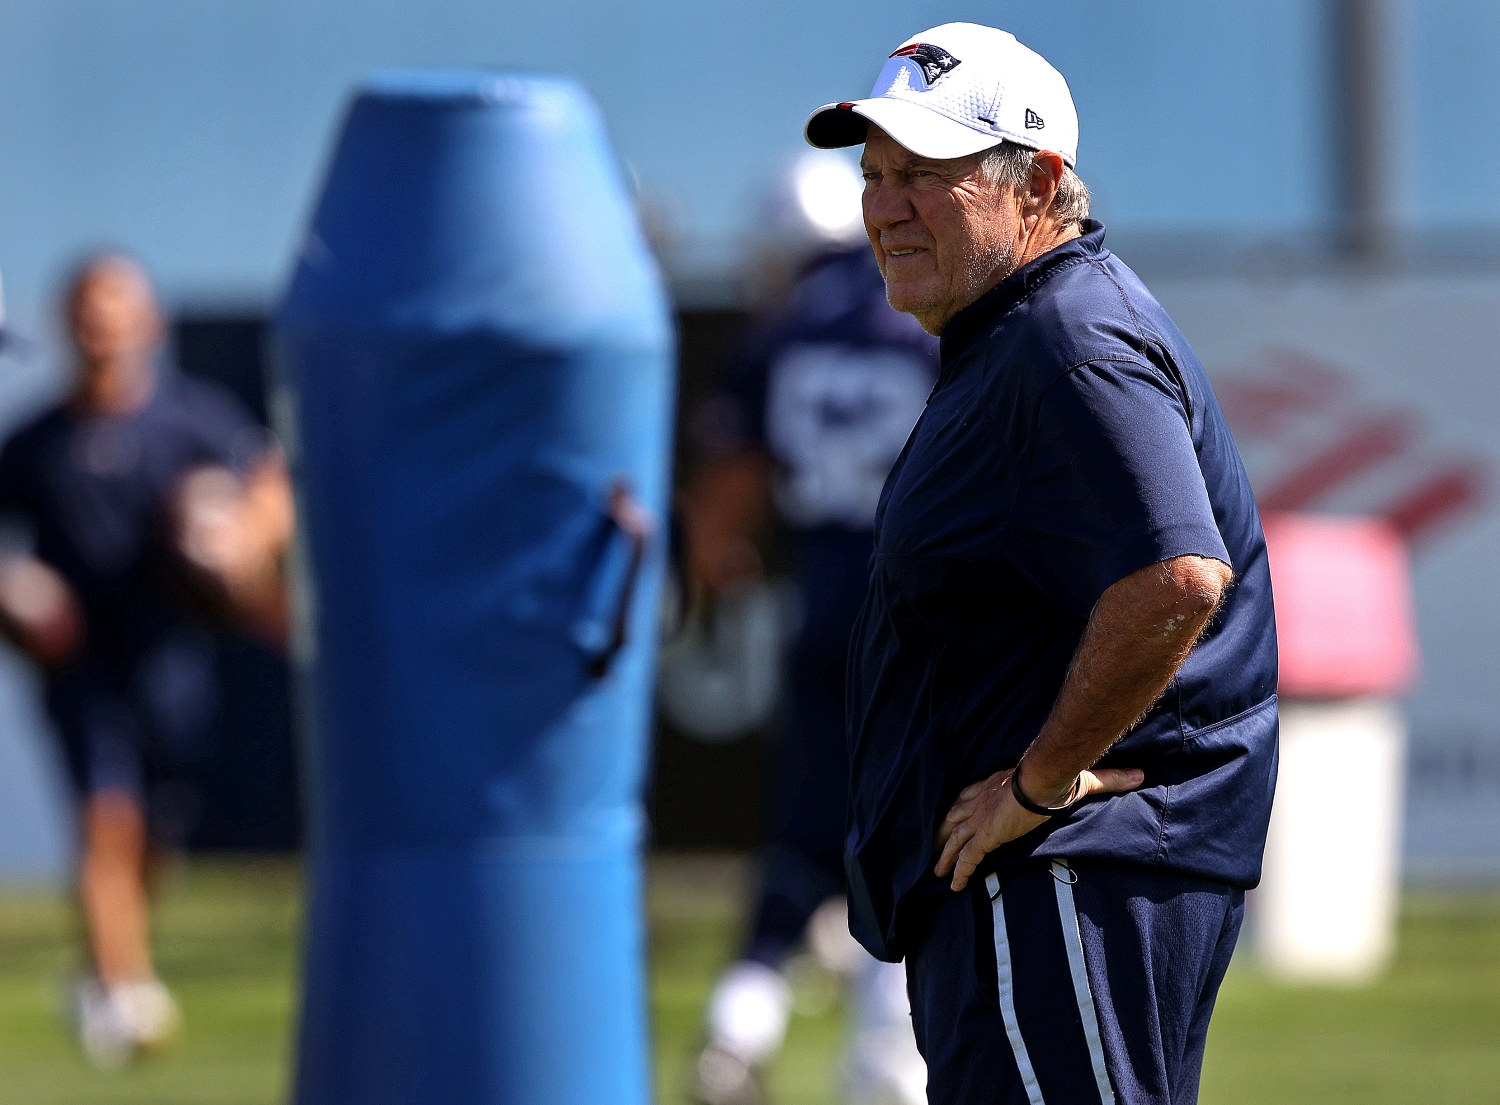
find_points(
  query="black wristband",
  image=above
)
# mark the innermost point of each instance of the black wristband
(1036, 807)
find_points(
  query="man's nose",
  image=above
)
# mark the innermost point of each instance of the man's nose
(886, 205)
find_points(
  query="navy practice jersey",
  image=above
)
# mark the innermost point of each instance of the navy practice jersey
(829, 385)
(92, 490)
(1071, 440)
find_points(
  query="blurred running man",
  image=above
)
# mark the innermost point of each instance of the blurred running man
(1051, 677)
(154, 507)
(809, 419)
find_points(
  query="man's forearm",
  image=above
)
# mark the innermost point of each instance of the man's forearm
(38, 610)
(1137, 637)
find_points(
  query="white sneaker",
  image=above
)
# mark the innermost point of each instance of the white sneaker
(116, 1024)
(882, 1063)
(884, 1067)
(151, 1012)
(748, 1012)
(103, 1032)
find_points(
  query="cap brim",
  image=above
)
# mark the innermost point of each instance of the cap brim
(921, 130)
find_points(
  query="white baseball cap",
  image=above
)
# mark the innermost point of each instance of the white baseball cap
(955, 90)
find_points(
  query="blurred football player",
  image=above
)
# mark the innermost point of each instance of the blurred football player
(155, 510)
(805, 423)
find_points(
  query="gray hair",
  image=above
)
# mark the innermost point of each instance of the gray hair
(1010, 163)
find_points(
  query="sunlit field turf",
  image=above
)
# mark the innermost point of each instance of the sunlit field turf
(226, 936)
(1429, 1032)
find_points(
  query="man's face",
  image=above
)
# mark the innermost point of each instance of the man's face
(113, 316)
(942, 235)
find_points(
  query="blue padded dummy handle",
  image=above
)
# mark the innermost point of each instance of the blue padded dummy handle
(600, 627)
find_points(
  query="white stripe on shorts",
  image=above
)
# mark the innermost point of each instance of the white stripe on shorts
(1007, 990)
(1063, 878)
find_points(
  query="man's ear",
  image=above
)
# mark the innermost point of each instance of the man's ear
(1047, 168)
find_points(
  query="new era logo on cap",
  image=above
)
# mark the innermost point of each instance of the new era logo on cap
(956, 90)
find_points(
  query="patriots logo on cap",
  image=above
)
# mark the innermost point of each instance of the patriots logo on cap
(934, 61)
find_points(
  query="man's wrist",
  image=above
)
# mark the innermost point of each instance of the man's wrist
(1048, 804)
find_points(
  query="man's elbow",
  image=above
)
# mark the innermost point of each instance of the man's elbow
(1197, 584)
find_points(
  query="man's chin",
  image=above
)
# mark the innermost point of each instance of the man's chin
(918, 302)
(908, 298)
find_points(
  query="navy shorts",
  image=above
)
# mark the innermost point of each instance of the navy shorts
(145, 734)
(1071, 983)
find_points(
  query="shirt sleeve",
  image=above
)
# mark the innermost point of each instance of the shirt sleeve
(227, 433)
(1113, 484)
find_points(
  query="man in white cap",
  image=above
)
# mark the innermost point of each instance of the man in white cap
(1061, 710)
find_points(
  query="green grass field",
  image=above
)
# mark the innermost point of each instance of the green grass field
(1429, 1032)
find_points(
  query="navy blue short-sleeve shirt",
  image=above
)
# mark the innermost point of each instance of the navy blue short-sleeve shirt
(92, 491)
(1072, 439)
